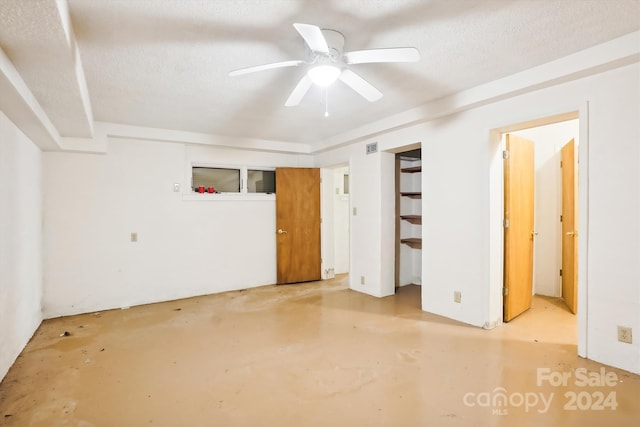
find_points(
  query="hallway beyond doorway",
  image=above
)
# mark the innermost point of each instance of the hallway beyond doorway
(548, 321)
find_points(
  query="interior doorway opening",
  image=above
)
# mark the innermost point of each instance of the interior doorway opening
(408, 195)
(335, 221)
(547, 275)
(341, 219)
(406, 174)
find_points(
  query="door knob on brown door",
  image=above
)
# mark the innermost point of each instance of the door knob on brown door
(281, 231)
(570, 233)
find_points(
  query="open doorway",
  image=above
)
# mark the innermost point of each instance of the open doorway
(408, 195)
(335, 224)
(408, 223)
(341, 219)
(540, 217)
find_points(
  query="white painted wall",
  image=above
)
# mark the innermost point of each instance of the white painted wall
(367, 228)
(459, 251)
(388, 222)
(185, 247)
(20, 241)
(548, 141)
(366, 224)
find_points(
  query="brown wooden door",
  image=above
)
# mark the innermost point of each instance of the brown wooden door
(519, 175)
(569, 227)
(298, 225)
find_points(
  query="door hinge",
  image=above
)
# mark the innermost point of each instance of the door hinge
(560, 272)
(505, 223)
(560, 163)
(560, 218)
(505, 154)
(505, 291)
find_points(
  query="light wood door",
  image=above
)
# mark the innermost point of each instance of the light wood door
(519, 222)
(569, 227)
(298, 225)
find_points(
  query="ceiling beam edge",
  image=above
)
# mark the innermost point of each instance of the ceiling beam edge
(121, 131)
(21, 107)
(616, 53)
(78, 70)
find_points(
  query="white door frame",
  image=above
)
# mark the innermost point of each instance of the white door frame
(496, 216)
(327, 226)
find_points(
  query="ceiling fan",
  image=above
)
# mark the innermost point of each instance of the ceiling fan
(327, 63)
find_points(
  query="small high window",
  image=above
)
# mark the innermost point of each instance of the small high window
(261, 181)
(223, 180)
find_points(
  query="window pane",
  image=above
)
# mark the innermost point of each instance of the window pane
(222, 180)
(261, 181)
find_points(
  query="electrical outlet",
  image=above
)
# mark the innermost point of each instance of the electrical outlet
(457, 296)
(134, 237)
(624, 334)
(362, 280)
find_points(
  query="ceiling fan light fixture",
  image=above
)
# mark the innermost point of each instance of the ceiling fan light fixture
(324, 75)
(326, 62)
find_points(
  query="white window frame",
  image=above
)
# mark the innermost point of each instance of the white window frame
(246, 177)
(190, 195)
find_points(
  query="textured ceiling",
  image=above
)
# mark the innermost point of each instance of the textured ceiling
(165, 63)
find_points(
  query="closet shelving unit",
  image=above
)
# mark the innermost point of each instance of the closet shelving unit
(408, 211)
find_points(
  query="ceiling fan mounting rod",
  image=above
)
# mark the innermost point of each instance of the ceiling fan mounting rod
(326, 102)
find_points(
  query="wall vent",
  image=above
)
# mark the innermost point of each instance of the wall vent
(372, 148)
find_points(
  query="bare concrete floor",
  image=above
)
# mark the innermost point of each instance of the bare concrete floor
(315, 354)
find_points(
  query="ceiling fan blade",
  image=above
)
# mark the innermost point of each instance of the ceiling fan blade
(292, 63)
(299, 92)
(360, 85)
(312, 35)
(392, 54)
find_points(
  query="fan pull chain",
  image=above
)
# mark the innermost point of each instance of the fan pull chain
(326, 102)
